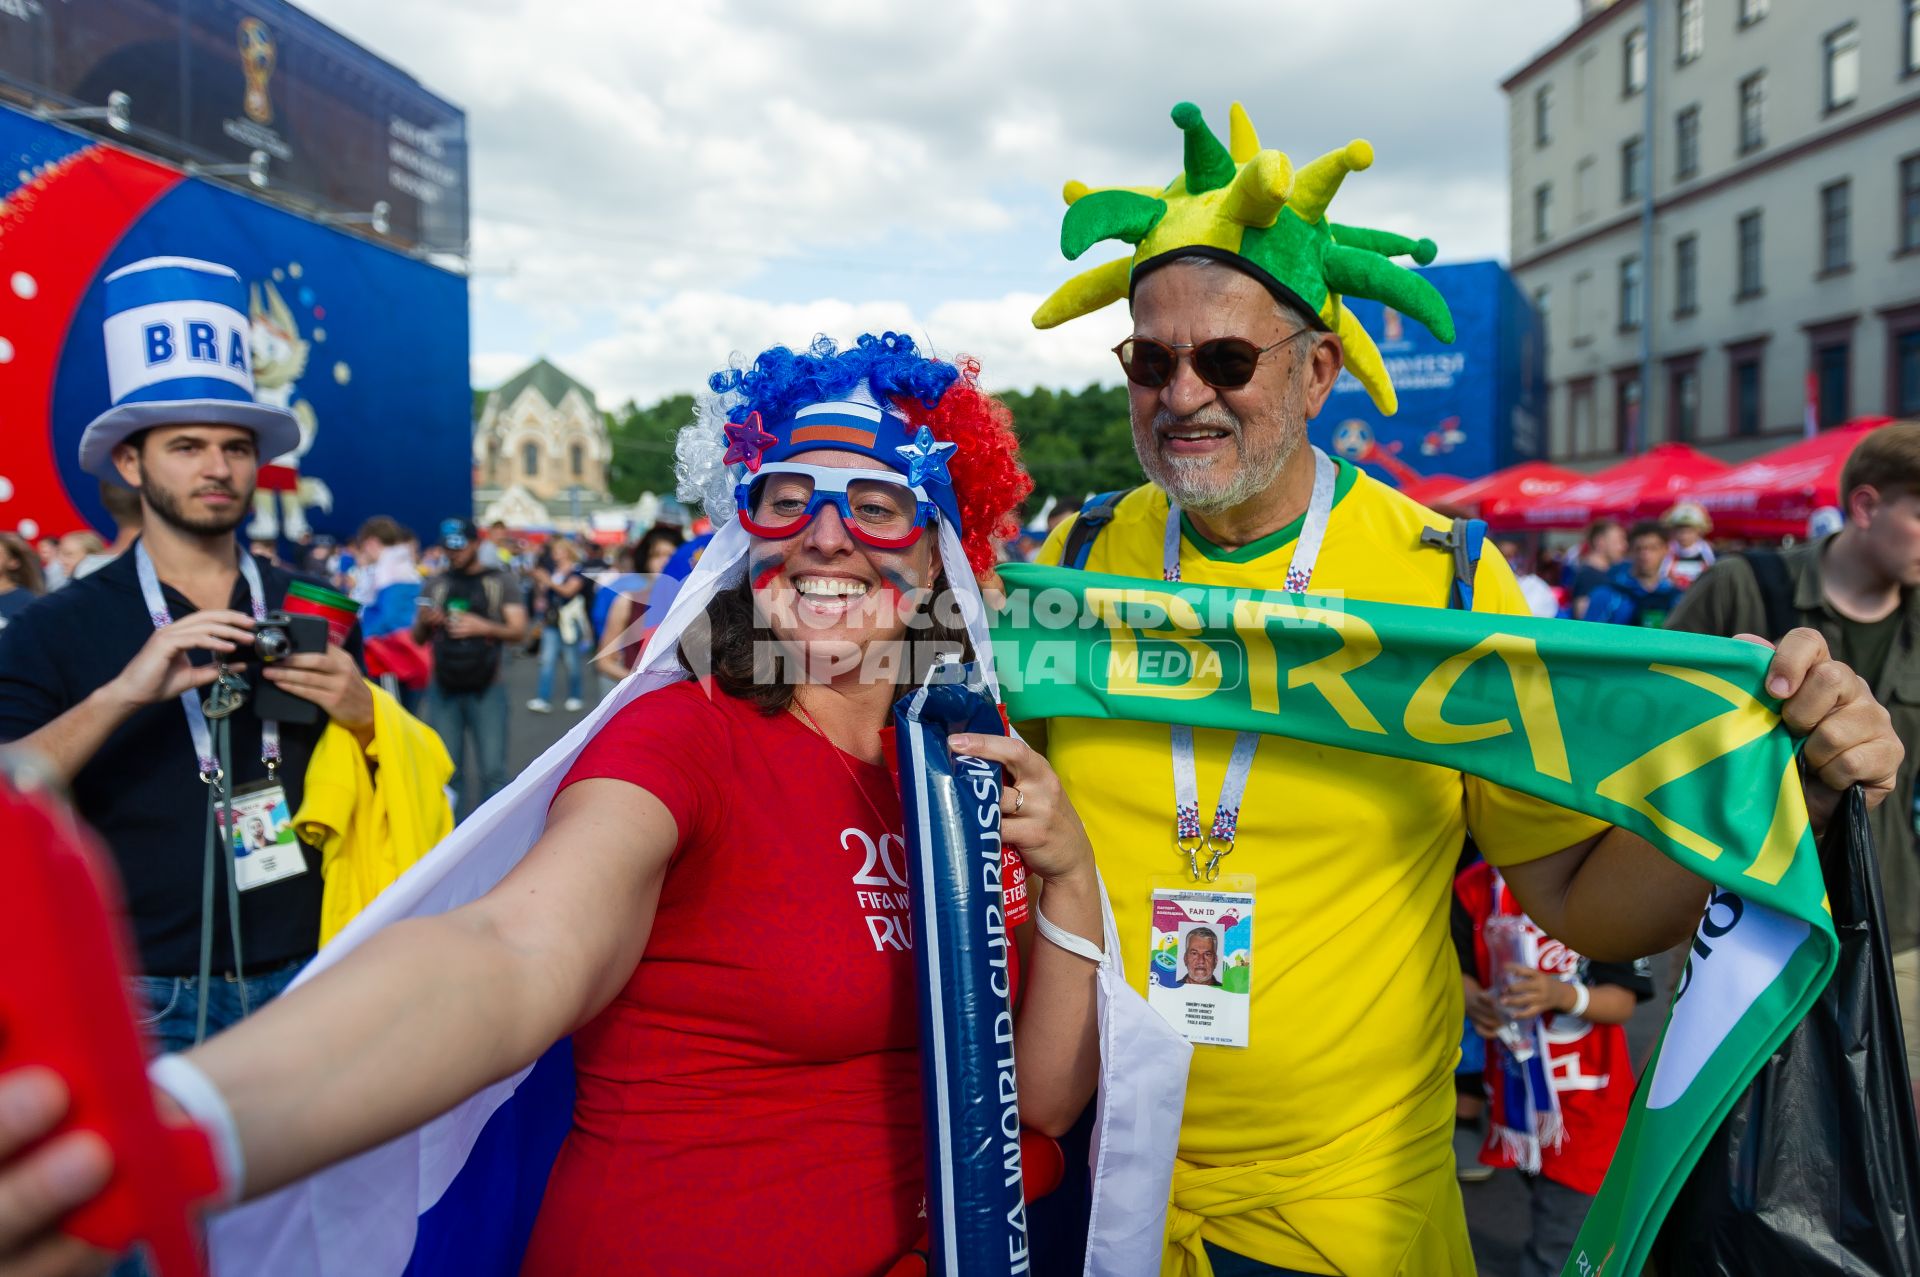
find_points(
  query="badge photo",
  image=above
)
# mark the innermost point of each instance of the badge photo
(1200, 965)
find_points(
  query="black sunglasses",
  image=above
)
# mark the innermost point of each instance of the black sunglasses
(1225, 363)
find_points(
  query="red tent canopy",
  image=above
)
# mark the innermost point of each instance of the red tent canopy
(1773, 495)
(1425, 490)
(1497, 497)
(1652, 481)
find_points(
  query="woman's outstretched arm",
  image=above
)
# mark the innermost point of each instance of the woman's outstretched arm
(430, 1010)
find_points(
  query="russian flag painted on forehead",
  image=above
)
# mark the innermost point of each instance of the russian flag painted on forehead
(177, 338)
(459, 1194)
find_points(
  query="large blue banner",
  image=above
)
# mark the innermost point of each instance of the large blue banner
(366, 346)
(1466, 409)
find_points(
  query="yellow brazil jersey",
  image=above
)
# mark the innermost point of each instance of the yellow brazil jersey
(1356, 998)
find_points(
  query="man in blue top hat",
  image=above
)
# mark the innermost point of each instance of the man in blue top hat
(105, 680)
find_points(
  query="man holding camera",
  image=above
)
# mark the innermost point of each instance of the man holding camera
(128, 683)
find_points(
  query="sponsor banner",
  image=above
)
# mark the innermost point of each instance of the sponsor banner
(218, 80)
(1466, 409)
(367, 347)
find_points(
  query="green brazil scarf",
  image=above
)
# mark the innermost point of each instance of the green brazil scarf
(1670, 735)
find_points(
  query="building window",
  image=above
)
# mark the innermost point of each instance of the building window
(1631, 187)
(1629, 293)
(1836, 217)
(1683, 400)
(1753, 105)
(1542, 212)
(1749, 260)
(1633, 59)
(1909, 216)
(1686, 144)
(1843, 67)
(1693, 30)
(529, 460)
(577, 459)
(1626, 411)
(1832, 375)
(1542, 304)
(1686, 276)
(1743, 392)
(1913, 37)
(1751, 11)
(1583, 188)
(1906, 373)
(1543, 115)
(1583, 421)
(1582, 302)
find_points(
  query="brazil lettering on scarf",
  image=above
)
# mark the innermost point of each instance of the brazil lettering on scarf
(1670, 735)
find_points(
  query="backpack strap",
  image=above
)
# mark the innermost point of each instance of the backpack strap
(1464, 540)
(496, 592)
(1096, 512)
(1776, 591)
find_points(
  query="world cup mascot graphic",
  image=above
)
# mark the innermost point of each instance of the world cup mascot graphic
(279, 360)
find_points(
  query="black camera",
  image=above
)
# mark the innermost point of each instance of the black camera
(277, 636)
(273, 638)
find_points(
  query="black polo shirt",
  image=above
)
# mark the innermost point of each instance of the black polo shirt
(142, 791)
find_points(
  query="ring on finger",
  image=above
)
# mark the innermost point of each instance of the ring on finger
(1019, 800)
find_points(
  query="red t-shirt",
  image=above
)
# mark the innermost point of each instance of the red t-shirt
(750, 1102)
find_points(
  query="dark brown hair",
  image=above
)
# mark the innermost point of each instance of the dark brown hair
(738, 636)
(1887, 460)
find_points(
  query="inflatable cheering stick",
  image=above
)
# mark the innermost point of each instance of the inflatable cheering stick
(63, 1005)
(963, 954)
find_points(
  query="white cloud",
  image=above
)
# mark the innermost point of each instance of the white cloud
(696, 158)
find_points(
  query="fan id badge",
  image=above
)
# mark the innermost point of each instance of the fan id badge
(264, 846)
(1200, 958)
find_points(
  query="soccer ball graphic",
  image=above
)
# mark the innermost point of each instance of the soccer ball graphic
(1353, 439)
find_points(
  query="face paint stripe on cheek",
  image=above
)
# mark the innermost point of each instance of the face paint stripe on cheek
(761, 569)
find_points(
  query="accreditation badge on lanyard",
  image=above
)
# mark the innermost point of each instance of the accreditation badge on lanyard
(254, 819)
(1200, 965)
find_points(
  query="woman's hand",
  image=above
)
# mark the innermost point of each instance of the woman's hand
(1035, 815)
(38, 1189)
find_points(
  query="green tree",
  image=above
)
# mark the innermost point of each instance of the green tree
(1074, 442)
(642, 443)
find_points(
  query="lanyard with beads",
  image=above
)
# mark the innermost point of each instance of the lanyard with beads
(212, 747)
(1218, 841)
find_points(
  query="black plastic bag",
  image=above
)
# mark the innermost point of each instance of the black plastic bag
(1816, 1171)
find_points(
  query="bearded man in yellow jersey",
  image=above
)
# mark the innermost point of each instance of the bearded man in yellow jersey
(1318, 1141)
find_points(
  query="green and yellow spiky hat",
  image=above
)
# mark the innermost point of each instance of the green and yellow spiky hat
(1248, 207)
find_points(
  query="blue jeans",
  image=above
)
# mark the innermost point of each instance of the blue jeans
(551, 650)
(172, 1003)
(483, 714)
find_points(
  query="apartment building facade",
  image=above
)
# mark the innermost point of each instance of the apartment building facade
(1716, 205)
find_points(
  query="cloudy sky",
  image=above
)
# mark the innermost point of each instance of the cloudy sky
(658, 185)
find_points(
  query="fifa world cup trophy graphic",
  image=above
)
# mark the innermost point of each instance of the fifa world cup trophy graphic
(257, 55)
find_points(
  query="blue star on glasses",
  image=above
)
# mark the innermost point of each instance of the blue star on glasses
(926, 459)
(746, 441)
